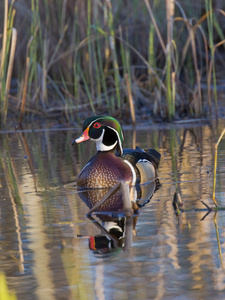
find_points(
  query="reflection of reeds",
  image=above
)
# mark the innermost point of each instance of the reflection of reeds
(15, 198)
(173, 153)
(218, 239)
(83, 60)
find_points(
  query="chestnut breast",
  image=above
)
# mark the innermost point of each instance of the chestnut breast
(104, 170)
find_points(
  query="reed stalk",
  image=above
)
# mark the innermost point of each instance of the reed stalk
(126, 199)
(155, 25)
(151, 52)
(170, 20)
(3, 51)
(153, 72)
(97, 69)
(53, 56)
(114, 54)
(24, 96)
(7, 58)
(212, 73)
(124, 52)
(198, 98)
(35, 46)
(105, 197)
(22, 109)
(173, 91)
(197, 74)
(102, 75)
(215, 168)
(168, 83)
(87, 92)
(209, 10)
(44, 93)
(130, 98)
(76, 70)
(101, 43)
(90, 50)
(97, 79)
(9, 72)
(63, 19)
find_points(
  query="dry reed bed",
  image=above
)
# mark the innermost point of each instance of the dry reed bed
(139, 59)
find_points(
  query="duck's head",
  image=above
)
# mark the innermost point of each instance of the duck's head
(105, 131)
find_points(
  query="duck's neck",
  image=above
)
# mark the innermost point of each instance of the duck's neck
(101, 147)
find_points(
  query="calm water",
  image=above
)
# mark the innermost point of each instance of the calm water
(45, 234)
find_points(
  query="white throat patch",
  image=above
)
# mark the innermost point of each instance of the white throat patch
(100, 146)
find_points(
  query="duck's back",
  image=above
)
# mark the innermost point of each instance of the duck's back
(144, 162)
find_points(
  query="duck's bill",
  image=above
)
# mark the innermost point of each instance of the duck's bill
(82, 138)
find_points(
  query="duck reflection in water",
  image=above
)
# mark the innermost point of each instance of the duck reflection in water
(115, 229)
(110, 166)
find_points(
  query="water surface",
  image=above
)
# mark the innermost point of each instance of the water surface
(45, 234)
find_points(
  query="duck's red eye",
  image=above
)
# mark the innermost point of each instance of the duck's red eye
(97, 125)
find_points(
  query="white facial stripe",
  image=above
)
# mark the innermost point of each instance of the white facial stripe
(100, 146)
(99, 140)
(132, 170)
(120, 144)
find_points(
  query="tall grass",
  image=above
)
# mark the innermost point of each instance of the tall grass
(72, 58)
(7, 58)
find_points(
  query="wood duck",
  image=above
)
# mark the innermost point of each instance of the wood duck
(111, 163)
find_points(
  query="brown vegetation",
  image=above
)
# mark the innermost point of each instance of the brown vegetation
(74, 58)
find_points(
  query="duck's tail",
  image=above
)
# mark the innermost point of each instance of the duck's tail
(154, 156)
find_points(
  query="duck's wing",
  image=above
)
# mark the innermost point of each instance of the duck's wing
(145, 162)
